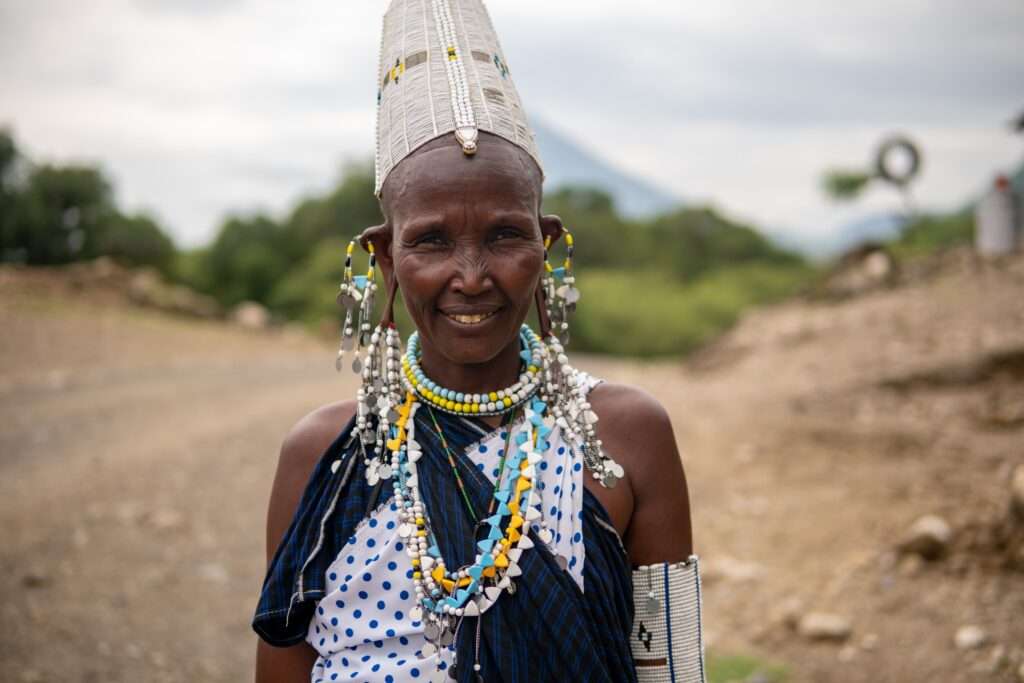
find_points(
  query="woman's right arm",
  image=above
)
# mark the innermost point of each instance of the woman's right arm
(300, 452)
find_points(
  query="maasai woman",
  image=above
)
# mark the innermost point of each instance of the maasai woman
(482, 511)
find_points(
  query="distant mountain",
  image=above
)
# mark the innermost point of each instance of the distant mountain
(568, 163)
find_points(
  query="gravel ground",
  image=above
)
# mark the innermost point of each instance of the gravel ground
(137, 451)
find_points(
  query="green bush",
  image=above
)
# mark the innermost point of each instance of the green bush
(308, 292)
(136, 241)
(652, 314)
(52, 215)
(926, 234)
(722, 668)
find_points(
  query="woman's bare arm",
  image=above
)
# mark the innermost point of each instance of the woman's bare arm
(300, 452)
(651, 507)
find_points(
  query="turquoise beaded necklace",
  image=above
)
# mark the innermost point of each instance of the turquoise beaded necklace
(487, 403)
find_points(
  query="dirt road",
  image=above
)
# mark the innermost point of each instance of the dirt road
(137, 451)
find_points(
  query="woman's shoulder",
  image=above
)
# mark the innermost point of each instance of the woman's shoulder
(635, 428)
(307, 440)
(300, 452)
(628, 408)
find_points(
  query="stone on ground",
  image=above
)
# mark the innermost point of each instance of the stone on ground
(824, 626)
(929, 537)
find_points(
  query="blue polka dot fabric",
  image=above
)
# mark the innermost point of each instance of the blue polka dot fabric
(362, 630)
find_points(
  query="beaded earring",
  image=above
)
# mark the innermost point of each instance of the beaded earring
(563, 388)
(356, 293)
(380, 390)
(560, 290)
(380, 394)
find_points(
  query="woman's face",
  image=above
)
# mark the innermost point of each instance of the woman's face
(467, 245)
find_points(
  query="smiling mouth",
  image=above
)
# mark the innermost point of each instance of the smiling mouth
(473, 319)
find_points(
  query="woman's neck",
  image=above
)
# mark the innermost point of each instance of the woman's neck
(476, 378)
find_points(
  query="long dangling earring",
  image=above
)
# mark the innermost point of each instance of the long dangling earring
(380, 393)
(563, 388)
(356, 293)
(560, 289)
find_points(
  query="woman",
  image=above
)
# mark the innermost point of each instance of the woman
(460, 519)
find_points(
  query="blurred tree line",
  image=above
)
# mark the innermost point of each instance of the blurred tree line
(58, 214)
(657, 286)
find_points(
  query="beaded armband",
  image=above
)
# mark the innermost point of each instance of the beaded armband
(667, 640)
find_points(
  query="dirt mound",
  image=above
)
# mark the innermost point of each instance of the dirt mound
(104, 281)
(845, 422)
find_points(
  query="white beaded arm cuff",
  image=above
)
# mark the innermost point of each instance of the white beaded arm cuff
(667, 640)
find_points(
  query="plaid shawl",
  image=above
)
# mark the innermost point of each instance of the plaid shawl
(547, 631)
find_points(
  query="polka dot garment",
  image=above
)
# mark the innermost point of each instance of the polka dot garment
(361, 628)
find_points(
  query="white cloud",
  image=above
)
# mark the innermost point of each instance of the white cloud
(200, 108)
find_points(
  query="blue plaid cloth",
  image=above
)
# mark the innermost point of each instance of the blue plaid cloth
(548, 630)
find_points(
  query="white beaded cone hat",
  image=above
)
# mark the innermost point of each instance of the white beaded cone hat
(442, 71)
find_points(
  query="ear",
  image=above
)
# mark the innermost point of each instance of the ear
(380, 237)
(551, 226)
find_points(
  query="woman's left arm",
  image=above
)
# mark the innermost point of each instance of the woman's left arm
(636, 431)
(666, 638)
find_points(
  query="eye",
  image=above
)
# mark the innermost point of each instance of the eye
(429, 239)
(508, 232)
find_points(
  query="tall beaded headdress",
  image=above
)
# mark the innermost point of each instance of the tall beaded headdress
(442, 70)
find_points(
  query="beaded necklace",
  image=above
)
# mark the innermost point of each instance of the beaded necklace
(551, 393)
(488, 403)
(506, 421)
(444, 596)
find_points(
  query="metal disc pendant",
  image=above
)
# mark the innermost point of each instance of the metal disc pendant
(446, 638)
(431, 631)
(357, 365)
(653, 605)
(609, 480)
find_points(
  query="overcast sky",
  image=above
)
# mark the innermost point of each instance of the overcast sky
(200, 107)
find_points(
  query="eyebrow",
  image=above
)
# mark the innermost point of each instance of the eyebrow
(435, 222)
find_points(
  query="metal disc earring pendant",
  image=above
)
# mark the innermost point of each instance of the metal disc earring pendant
(349, 297)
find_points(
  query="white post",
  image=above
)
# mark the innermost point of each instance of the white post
(997, 220)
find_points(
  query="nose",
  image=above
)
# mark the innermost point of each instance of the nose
(472, 272)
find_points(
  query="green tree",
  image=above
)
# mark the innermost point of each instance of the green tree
(843, 185)
(692, 241)
(602, 237)
(9, 197)
(60, 214)
(135, 240)
(247, 258)
(341, 214)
